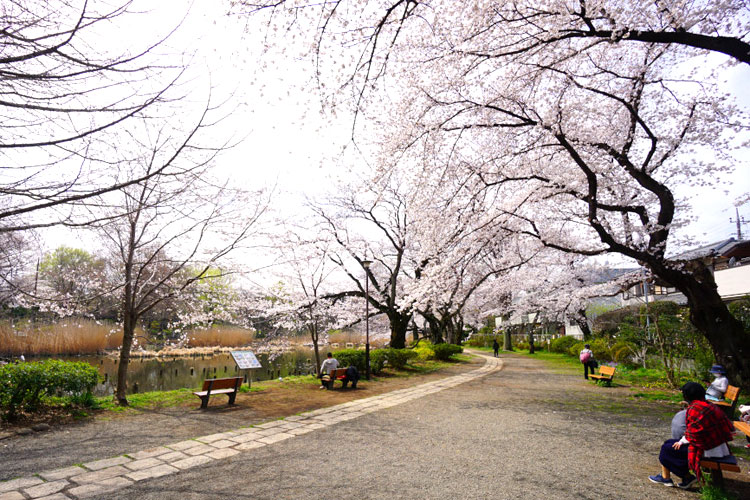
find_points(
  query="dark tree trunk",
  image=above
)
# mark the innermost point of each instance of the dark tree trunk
(583, 324)
(507, 341)
(531, 339)
(709, 314)
(129, 319)
(399, 326)
(458, 327)
(128, 333)
(436, 329)
(314, 335)
(415, 331)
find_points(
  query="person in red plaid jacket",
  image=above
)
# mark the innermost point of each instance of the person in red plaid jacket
(707, 431)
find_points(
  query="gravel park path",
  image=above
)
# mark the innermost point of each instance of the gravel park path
(497, 428)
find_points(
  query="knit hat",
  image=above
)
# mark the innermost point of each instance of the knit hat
(717, 369)
(693, 391)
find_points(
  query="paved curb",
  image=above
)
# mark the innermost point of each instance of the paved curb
(110, 474)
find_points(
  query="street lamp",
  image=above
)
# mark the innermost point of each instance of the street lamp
(366, 265)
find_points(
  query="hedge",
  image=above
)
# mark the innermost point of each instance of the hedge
(563, 344)
(444, 352)
(352, 357)
(395, 358)
(23, 385)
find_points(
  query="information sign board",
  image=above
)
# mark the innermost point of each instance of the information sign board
(245, 360)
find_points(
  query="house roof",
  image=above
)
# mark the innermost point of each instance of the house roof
(723, 248)
(605, 274)
(738, 250)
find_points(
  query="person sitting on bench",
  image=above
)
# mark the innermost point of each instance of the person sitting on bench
(329, 364)
(352, 375)
(717, 389)
(707, 431)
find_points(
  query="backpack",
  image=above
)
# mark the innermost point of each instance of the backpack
(585, 356)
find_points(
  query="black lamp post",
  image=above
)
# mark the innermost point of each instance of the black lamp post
(366, 265)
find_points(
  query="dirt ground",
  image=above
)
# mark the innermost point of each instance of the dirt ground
(105, 433)
(537, 413)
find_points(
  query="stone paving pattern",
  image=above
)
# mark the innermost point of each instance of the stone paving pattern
(110, 474)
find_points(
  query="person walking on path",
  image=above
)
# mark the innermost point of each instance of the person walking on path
(329, 364)
(496, 348)
(707, 431)
(587, 358)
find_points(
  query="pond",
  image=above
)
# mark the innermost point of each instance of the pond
(165, 374)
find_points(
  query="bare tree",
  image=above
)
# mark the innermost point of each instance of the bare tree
(168, 234)
(65, 89)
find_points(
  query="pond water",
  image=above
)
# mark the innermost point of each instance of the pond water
(165, 374)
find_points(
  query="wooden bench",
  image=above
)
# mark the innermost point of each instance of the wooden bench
(228, 386)
(715, 468)
(337, 374)
(742, 427)
(730, 401)
(605, 374)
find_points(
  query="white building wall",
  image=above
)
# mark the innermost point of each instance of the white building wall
(573, 330)
(733, 282)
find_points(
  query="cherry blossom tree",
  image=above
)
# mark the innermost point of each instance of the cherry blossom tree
(75, 279)
(14, 258)
(373, 223)
(557, 287)
(465, 256)
(302, 300)
(582, 119)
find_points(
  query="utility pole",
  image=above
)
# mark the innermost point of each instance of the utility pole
(739, 221)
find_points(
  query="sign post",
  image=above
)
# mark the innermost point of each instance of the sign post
(246, 360)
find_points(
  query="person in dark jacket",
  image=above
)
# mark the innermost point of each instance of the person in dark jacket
(351, 375)
(496, 348)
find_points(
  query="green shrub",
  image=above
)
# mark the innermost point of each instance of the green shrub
(576, 349)
(424, 351)
(377, 360)
(703, 356)
(352, 357)
(610, 323)
(397, 358)
(563, 344)
(444, 352)
(601, 350)
(740, 309)
(480, 340)
(622, 351)
(394, 358)
(23, 385)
